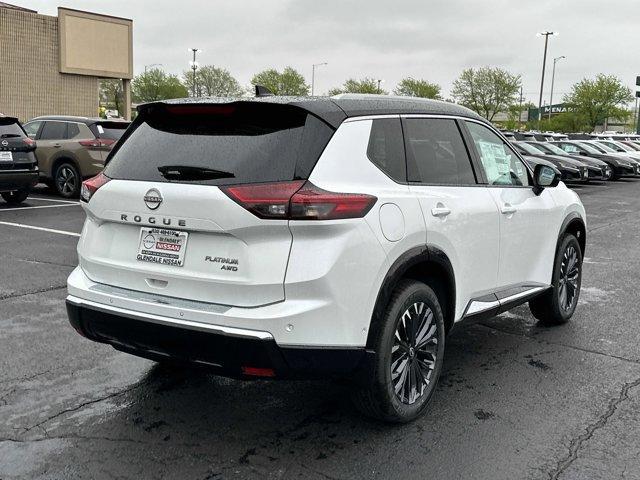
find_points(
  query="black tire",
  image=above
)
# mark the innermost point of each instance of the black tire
(67, 180)
(379, 398)
(16, 197)
(555, 307)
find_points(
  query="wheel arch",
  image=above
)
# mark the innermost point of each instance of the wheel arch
(574, 224)
(427, 264)
(64, 158)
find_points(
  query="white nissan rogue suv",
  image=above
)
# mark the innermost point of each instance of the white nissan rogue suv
(302, 237)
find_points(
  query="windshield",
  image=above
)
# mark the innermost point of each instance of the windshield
(551, 148)
(221, 144)
(618, 146)
(604, 147)
(530, 149)
(590, 148)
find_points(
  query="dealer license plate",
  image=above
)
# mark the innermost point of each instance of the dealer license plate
(159, 245)
(6, 157)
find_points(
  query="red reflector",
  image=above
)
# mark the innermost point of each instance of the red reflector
(258, 372)
(313, 203)
(265, 200)
(91, 186)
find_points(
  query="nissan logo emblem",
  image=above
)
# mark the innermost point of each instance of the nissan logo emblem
(153, 199)
(4, 143)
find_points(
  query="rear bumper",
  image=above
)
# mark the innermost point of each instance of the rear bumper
(232, 352)
(15, 179)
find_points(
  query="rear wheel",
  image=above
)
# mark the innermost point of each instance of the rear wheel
(15, 197)
(409, 350)
(67, 180)
(558, 304)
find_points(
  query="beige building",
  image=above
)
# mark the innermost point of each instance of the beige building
(52, 65)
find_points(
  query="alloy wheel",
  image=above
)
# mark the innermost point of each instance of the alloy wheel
(66, 180)
(414, 353)
(569, 276)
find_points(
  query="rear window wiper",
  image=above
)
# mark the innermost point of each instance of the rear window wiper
(186, 173)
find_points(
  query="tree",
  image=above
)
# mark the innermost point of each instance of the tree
(365, 85)
(155, 85)
(287, 82)
(599, 99)
(412, 87)
(111, 93)
(212, 82)
(487, 91)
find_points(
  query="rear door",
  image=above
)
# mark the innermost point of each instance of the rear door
(165, 200)
(460, 215)
(528, 222)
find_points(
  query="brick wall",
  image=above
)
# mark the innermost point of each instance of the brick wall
(30, 82)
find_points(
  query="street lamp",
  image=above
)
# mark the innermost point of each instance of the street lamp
(194, 66)
(379, 82)
(313, 75)
(553, 78)
(151, 65)
(546, 36)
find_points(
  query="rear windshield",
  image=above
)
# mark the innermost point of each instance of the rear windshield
(10, 129)
(111, 131)
(235, 143)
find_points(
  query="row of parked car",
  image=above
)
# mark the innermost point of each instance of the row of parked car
(581, 157)
(60, 151)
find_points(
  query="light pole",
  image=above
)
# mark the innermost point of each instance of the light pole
(379, 82)
(313, 75)
(194, 67)
(544, 64)
(151, 65)
(553, 78)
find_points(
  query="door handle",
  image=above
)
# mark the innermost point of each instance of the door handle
(57, 145)
(440, 210)
(508, 209)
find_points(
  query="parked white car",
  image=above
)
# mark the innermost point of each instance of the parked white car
(294, 237)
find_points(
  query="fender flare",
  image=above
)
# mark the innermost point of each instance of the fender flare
(573, 217)
(409, 259)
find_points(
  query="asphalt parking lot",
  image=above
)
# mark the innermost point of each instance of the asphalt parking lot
(516, 400)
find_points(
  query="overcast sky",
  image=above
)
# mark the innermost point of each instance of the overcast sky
(429, 39)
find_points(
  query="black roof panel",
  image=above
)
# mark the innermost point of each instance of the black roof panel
(334, 110)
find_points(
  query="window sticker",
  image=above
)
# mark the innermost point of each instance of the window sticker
(100, 129)
(496, 162)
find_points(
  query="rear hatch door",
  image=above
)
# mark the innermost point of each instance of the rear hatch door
(163, 225)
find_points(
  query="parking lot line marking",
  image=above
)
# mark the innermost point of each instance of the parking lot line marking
(53, 200)
(39, 206)
(33, 227)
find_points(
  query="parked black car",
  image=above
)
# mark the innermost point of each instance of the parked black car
(18, 164)
(621, 166)
(598, 170)
(571, 169)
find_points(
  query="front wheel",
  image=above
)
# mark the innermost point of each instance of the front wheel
(558, 304)
(15, 197)
(409, 351)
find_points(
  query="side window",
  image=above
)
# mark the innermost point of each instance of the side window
(436, 153)
(73, 131)
(386, 149)
(32, 129)
(501, 165)
(54, 131)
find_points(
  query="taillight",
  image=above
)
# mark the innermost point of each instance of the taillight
(299, 200)
(97, 142)
(265, 200)
(91, 186)
(29, 142)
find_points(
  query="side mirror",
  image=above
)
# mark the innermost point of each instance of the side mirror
(545, 176)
